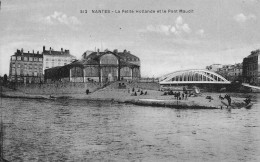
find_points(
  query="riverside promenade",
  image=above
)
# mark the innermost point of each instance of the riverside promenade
(153, 98)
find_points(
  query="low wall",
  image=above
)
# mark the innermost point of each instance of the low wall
(58, 88)
(146, 85)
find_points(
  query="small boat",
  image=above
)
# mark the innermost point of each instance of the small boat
(249, 106)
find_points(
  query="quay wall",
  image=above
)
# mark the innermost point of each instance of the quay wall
(146, 85)
(58, 88)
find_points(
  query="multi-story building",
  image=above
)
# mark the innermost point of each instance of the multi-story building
(251, 68)
(230, 72)
(98, 66)
(26, 67)
(53, 58)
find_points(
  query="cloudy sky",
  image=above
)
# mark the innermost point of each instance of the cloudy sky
(217, 31)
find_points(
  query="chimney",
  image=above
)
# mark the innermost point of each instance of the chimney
(61, 49)
(125, 51)
(22, 50)
(37, 52)
(28, 51)
(98, 51)
(33, 51)
(43, 48)
(50, 50)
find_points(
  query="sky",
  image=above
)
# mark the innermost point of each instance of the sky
(211, 32)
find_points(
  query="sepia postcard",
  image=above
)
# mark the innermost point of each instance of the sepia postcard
(129, 80)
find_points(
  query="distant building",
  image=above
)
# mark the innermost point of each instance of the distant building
(214, 67)
(26, 67)
(98, 66)
(85, 54)
(230, 72)
(251, 68)
(53, 58)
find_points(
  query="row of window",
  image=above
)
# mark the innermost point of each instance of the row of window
(48, 59)
(252, 59)
(252, 67)
(28, 73)
(20, 58)
(24, 65)
(24, 58)
(52, 65)
(131, 59)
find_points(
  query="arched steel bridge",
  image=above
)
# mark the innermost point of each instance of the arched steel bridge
(193, 77)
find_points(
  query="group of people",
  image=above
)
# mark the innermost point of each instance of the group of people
(178, 95)
(227, 96)
(134, 93)
(248, 100)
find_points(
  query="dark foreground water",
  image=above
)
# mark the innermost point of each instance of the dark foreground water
(42, 130)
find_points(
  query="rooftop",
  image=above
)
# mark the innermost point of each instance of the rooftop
(28, 54)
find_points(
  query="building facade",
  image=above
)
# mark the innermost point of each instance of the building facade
(251, 68)
(98, 66)
(231, 72)
(26, 67)
(53, 58)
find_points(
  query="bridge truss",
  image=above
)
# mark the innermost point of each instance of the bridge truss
(193, 77)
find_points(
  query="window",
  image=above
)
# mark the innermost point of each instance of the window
(13, 71)
(35, 59)
(30, 59)
(25, 58)
(109, 59)
(40, 59)
(13, 65)
(19, 58)
(13, 58)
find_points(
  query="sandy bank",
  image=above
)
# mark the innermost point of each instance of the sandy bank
(153, 98)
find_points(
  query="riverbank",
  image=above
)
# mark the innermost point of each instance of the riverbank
(153, 98)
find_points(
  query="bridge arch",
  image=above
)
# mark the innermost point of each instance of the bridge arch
(195, 76)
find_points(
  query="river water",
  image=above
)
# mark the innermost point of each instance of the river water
(64, 130)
